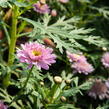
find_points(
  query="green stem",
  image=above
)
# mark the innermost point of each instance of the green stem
(26, 80)
(13, 36)
(28, 77)
(54, 90)
(61, 92)
(12, 44)
(25, 84)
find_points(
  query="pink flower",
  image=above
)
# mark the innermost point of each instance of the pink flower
(79, 63)
(105, 59)
(99, 89)
(63, 1)
(2, 106)
(41, 8)
(82, 67)
(53, 13)
(75, 57)
(36, 54)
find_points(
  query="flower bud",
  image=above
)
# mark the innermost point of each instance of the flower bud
(48, 41)
(41, 83)
(104, 49)
(53, 13)
(7, 15)
(63, 99)
(68, 81)
(47, 100)
(90, 80)
(58, 79)
(28, 29)
(1, 34)
(4, 45)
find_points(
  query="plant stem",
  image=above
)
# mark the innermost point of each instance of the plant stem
(25, 84)
(26, 80)
(12, 43)
(13, 36)
(28, 77)
(54, 90)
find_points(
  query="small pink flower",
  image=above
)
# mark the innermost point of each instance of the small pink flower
(53, 13)
(41, 8)
(82, 67)
(79, 63)
(36, 54)
(63, 1)
(75, 57)
(105, 60)
(2, 106)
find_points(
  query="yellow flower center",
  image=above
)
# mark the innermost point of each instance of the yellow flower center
(76, 55)
(36, 53)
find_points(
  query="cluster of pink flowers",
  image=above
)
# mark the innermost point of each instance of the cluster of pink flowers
(79, 63)
(42, 7)
(36, 54)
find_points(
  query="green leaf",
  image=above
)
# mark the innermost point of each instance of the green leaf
(4, 3)
(20, 4)
(74, 90)
(61, 44)
(75, 80)
(65, 34)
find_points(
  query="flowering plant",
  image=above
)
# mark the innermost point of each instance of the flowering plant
(53, 54)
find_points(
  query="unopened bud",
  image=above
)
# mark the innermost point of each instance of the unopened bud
(41, 83)
(63, 99)
(43, 1)
(47, 100)
(53, 13)
(57, 79)
(4, 45)
(7, 15)
(28, 29)
(48, 41)
(104, 48)
(90, 80)
(68, 81)
(1, 34)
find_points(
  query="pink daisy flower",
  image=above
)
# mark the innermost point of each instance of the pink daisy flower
(63, 1)
(75, 57)
(36, 54)
(105, 59)
(41, 8)
(82, 67)
(100, 89)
